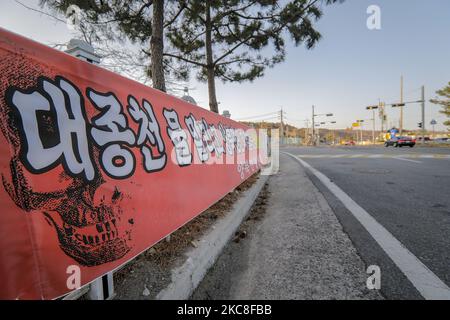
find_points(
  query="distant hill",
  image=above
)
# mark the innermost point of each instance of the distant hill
(327, 134)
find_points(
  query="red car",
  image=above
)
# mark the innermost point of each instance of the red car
(400, 142)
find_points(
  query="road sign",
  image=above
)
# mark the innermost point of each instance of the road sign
(433, 122)
(393, 132)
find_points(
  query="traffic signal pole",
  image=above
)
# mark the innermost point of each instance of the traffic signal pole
(314, 115)
(373, 108)
(373, 126)
(313, 138)
(401, 105)
(281, 126)
(423, 114)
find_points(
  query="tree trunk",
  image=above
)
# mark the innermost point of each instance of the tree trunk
(157, 46)
(213, 105)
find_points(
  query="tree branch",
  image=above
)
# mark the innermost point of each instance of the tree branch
(232, 49)
(174, 18)
(184, 59)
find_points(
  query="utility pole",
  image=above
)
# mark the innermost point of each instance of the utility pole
(423, 114)
(401, 105)
(282, 126)
(373, 126)
(313, 137)
(382, 116)
(333, 132)
(306, 130)
(361, 131)
(360, 122)
(373, 108)
(314, 123)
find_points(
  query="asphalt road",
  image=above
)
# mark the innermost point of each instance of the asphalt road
(293, 248)
(406, 190)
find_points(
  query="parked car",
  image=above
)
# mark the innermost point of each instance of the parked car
(400, 142)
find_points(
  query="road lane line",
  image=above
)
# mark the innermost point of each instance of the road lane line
(338, 156)
(423, 279)
(405, 156)
(409, 160)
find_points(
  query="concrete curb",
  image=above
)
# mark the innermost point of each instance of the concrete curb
(186, 277)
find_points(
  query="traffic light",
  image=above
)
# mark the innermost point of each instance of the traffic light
(420, 124)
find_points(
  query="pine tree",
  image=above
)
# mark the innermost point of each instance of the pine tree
(444, 101)
(141, 22)
(236, 40)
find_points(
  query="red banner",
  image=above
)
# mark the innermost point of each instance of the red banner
(96, 168)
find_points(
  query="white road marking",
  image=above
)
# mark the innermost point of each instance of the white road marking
(403, 159)
(423, 279)
(338, 156)
(357, 156)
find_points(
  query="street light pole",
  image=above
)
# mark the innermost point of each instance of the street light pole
(361, 132)
(313, 140)
(373, 119)
(401, 105)
(306, 130)
(360, 122)
(281, 126)
(314, 124)
(373, 126)
(333, 131)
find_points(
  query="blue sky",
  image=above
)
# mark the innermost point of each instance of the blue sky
(350, 68)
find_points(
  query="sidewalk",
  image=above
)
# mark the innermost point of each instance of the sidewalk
(297, 251)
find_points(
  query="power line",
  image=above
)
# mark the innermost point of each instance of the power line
(273, 114)
(264, 120)
(40, 11)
